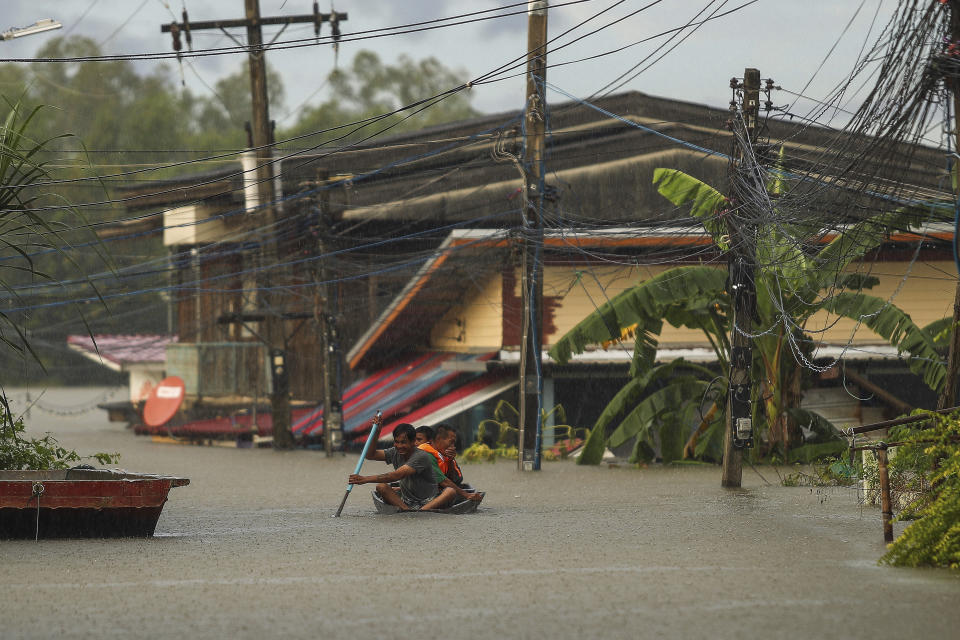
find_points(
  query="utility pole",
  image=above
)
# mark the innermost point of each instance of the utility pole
(326, 310)
(275, 336)
(948, 395)
(741, 264)
(272, 299)
(531, 280)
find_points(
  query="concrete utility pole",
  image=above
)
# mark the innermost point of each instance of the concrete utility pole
(272, 300)
(743, 291)
(262, 138)
(531, 280)
(948, 395)
(326, 313)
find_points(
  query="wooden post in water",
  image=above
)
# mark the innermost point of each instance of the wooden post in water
(886, 509)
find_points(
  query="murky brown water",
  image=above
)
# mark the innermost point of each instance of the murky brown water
(250, 550)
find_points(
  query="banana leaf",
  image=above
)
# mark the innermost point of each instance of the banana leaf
(897, 328)
(628, 397)
(640, 419)
(644, 304)
(853, 242)
(939, 331)
(705, 202)
(811, 420)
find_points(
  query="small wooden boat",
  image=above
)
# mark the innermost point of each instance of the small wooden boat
(458, 507)
(82, 503)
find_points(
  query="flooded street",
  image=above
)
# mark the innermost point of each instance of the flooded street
(249, 549)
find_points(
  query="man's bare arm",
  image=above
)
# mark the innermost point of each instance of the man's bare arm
(402, 472)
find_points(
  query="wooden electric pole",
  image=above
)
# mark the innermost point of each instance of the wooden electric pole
(262, 139)
(742, 286)
(948, 395)
(326, 312)
(531, 279)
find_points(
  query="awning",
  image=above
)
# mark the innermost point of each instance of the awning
(462, 399)
(395, 391)
(118, 351)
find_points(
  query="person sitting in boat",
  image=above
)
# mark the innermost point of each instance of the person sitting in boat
(454, 474)
(422, 486)
(443, 437)
(424, 434)
(444, 450)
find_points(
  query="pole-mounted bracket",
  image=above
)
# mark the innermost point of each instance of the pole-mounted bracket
(741, 357)
(740, 416)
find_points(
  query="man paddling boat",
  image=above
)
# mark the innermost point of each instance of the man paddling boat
(422, 485)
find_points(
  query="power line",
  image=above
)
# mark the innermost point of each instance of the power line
(405, 29)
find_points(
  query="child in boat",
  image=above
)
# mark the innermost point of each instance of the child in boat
(424, 434)
(443, 437)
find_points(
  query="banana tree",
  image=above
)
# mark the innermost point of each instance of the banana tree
(796, 277)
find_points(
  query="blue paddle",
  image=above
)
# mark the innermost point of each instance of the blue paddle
(377, 419)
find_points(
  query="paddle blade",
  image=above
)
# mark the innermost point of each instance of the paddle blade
(346, 494)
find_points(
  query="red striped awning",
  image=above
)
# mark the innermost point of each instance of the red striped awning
(399, 392)
(396, 391)
(456, 402)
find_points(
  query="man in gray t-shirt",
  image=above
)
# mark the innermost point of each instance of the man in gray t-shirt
(419, 488)
(416, 470)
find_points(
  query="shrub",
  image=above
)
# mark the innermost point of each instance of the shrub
(18, 451)
(934, 539)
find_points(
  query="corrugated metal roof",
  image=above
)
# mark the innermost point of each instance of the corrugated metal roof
(114, 351)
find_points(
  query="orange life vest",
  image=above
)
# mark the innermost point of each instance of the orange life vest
(442, 461)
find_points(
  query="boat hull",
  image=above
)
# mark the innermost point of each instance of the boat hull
(83, 503)
(457, 508)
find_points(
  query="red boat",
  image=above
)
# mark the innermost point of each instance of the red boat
(82, 503)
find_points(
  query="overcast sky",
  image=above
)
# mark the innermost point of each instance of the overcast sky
(786, 39)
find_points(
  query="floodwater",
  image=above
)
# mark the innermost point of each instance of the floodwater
(249, 550)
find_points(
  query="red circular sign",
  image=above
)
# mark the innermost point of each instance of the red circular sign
(163, 402)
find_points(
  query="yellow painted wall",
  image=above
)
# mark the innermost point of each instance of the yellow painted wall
(582, 290)
(926, 296)
(479, 325)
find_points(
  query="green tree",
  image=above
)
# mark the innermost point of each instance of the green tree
(369, 88)
(221, 120)
(792, 285)
(124, 120)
